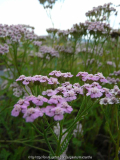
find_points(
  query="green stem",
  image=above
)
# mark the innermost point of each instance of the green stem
(8, 141)
(78, 117)
(49, 126)
(118, 129)
(60, 137)
(15, 46)
(117, 145)
(49, 146)
(26, 90)
(37, 129)
(46, 139)
(108, 127)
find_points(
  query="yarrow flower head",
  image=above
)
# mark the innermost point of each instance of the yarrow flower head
(29, 98)
(53, 81)
(55, 99)
(95, 92)
(39, 100)
(115, 89)
(27, 80)
(66, 84)
(76, 85)
(67, 108)
(55, 73)
(32, 113)
(36, 77)
(67, 75)
(113, 100)
(60, 90)
(107, 92)
(24, 104)
(78, 90)
(21, 78)
(49, 92)
(82, 74)
(70, 95)
(104, 101)
(4, 49)
(58, 113)
(43, 79)
(16, 110)
(48, 111)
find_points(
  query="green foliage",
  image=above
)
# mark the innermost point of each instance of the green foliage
(79, 49)
(4, 154)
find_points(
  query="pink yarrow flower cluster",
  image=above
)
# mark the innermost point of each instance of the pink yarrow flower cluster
(54, 103)
(84, 76)
(59, 110)
(24, 104)
(61, 75)
(32, 107)
(95, 92)
(112, 96)
(37, 79)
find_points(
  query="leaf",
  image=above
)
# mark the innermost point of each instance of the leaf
(18, 152)
(65, 144)
(76, 142)
(4, 154)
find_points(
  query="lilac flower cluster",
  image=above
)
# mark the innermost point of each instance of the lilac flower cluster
(32, 107)
(111, 63)
(63, 33)
(4, 49)
(19, 91)
(84, 76)
(48, 50)
(113, 80)
(116, 73)
(44, 51)
(37, 79)
(78, 30)
(54, 103)
(68, 91)
(61, 76)
(71, 92)
(99, 28)
(100, 10)
(14, 33)
(37, 43)
(114, 77)
(112, 98)
(52, 30)
(64, 49)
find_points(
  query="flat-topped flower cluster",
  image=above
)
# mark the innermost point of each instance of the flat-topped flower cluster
(100, 10)
(15, 32)
(57, 107)
(55, 102)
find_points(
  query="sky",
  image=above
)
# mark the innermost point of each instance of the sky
(63, 15)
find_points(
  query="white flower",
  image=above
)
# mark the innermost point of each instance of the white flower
(104, 101)
(113, 100)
